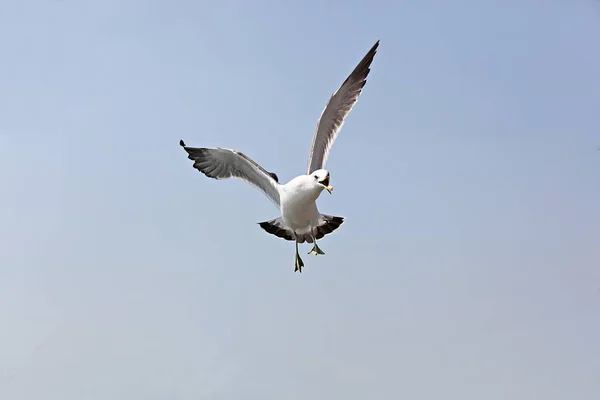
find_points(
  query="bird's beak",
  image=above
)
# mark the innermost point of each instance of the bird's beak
(325, 182)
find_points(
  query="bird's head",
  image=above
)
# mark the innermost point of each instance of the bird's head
(321, 177)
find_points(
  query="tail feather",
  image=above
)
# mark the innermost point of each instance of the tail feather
(327, 225)
(330, 225)
(274, 228)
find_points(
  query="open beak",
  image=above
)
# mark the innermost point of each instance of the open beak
(326, 184)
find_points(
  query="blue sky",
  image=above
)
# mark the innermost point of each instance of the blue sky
(468, 174)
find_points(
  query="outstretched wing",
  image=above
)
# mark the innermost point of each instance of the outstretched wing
(339, 106)
(225, 163)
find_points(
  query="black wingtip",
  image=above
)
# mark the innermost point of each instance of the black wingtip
(374, 48)
(182, 143)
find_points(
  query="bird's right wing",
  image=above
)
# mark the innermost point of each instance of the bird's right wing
(221, 163)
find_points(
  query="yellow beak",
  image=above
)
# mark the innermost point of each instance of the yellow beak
(329, 189)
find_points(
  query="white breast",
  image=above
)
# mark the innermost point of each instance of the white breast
(298, 208)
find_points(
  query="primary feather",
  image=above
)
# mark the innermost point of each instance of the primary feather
(221, 163)
(339, 106)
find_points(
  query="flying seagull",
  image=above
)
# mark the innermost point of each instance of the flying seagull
(300, 220)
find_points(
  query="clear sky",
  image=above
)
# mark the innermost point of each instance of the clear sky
(469, 175)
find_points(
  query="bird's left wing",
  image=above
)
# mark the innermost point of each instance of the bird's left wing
(221, 163)
(339, 106)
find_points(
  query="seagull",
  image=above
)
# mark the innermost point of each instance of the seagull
(300, 220)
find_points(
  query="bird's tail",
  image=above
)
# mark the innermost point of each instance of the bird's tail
(327, 224)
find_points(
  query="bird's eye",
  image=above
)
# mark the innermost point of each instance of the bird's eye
(316, 177)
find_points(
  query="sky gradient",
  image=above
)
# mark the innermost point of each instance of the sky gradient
(468, 173)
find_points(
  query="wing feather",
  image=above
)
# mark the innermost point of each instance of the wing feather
(339, 106)
(218, 163)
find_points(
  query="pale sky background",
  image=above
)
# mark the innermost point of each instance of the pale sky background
(469, 175)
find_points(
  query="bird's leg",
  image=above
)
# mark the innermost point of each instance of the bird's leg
(299, 263)
(316, 250)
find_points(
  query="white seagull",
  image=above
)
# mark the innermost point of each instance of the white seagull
(300, 219)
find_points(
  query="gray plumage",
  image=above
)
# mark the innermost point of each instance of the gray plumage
(221, 163)
(339, 106)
